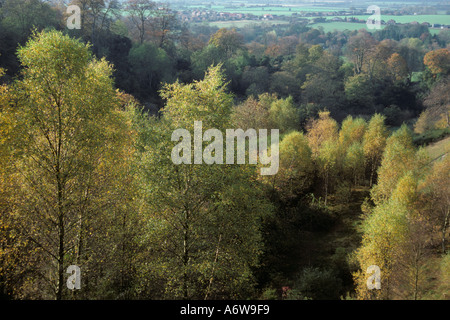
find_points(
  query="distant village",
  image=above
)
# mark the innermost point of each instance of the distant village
(199, 15)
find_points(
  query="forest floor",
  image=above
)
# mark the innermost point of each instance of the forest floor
(333, 248)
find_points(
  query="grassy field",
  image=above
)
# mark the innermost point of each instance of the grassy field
(331, 26)
(434, 31)
(327, 26)
(289, 10)
(243, 23)
(430, 18)
(439, 148)
(270, 9)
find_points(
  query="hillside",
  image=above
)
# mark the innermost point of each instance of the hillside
(439, 148)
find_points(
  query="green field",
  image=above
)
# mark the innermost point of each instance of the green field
(340, 26)
(430, 18)
(327, 26)
(244, 23)
(435, 31)
(286, 10)
(289, 10)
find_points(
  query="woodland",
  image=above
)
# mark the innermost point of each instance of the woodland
(86, 177)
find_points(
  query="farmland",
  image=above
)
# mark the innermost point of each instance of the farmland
(243, 23)
(327, 26)
(286, 11)
(234, 14)
(432, 19)
(331, 26)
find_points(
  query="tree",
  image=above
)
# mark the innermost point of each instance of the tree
(398, 158)
(164, 25)
(71, 143)
(267, 112)
(435, 190)
(438, 104)
(354, 162)
(317, 72)
(284, 84)
(283, 115)
(296, 171)
(96, 15)
(359, 90)
(140, 12)
(437, 112)
(12, 248)
(438, 61)
(352, 131)
(358, 49)
(324, 89)
(411, 49)
(321, 130)
(444, 271)
(351, 148)
(150, 66)
(322, 137)
(397, 239)
(375, 59)
(202, 227)
(256, 80)
(300, 61)
(228, 40)
(205, 58)
(385, 233)
(416, 250)
(397, 67)
(327, 164)
(374, 142)
(189, 41)
(21, 16)
(252, 114)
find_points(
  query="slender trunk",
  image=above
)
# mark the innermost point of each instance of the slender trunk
(123, 275)
(416, 275)
(185, 255)
(371, 177)
(373, 167)
(161, 42)
(80, 240)
(61, 233)
(60, 195)
(444, 230)
(213, 268)
(79, 254)
(60, 259)
(142, 30)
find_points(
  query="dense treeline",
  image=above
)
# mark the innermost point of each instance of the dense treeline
(148, 46)
(86, 176)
